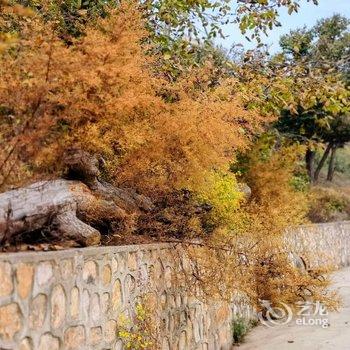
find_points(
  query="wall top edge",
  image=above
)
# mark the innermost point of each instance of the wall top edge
(323, 224)
(35, 256)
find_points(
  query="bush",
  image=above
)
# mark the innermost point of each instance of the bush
(240, 328)
(222, 191)
(328, 204)
(301, 182)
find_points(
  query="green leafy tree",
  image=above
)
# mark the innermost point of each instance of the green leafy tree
(336, 137)
(318, 57)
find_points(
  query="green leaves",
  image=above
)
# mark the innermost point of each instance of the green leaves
(260, 16)
(320, 96)
(176, 27)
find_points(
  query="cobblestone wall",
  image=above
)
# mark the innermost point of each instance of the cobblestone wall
(323, 244)
(73, 299)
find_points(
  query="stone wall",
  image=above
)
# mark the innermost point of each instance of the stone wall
(73, 299)
(322, 244)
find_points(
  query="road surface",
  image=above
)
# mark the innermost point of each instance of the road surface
(306, 337)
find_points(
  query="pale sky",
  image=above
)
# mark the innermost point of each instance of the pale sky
(308, 15)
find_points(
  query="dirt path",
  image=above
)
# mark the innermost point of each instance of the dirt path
(306, 337)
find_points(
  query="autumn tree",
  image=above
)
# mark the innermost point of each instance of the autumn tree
(177, 28)
(336, 137)
(106, 101)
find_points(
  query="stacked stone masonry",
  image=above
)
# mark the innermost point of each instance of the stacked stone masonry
(73, 299)
(322, 244)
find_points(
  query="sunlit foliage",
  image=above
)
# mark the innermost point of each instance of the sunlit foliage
(98, 94)
(97, 91)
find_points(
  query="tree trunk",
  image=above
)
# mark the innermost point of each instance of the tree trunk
(331, 166)
(47, 203)
(310, 162)
(67, 208)
(322, 161)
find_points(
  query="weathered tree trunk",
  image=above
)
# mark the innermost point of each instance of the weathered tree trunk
(322, 161)
(48, 203)
(331, 166)
(310, 162)
(66, 207)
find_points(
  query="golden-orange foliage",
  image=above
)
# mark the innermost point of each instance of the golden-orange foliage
(253, 258)
(277, 204)
(99, 94)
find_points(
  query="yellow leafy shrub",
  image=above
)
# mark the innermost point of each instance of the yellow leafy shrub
(141, 331)
(222, 191)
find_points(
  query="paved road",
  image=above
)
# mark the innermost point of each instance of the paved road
(306, 337)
